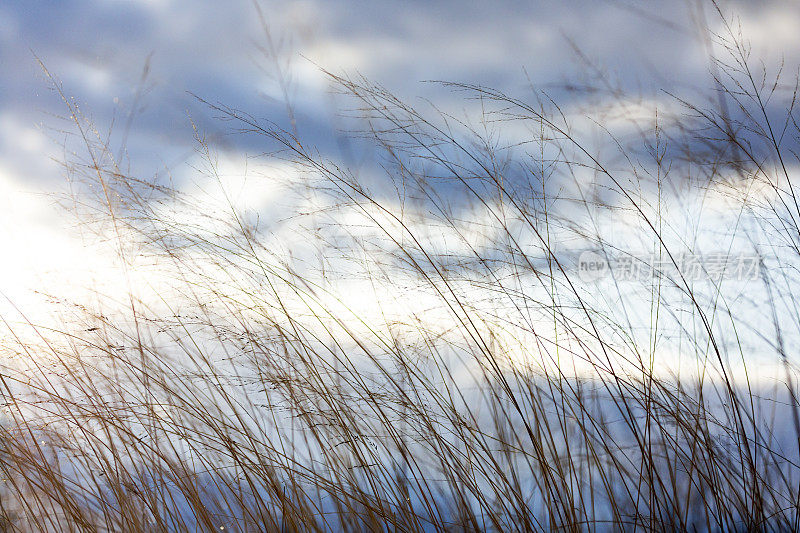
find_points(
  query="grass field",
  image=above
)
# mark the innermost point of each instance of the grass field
(414, 345)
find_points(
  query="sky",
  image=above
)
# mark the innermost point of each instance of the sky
(98, 50)
(137, 68)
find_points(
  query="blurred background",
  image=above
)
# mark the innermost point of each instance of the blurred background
(137, 70)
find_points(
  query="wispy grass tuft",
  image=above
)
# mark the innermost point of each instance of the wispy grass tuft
(409, 346)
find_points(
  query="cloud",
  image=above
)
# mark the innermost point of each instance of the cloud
(99, 50)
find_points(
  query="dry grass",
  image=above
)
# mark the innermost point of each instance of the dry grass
(473, 383)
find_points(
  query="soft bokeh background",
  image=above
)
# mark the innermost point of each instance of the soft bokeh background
(135, 67)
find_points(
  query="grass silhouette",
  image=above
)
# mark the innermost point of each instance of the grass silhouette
(427, 356)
